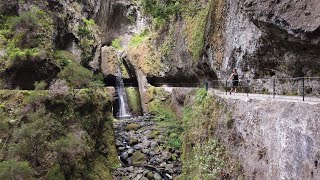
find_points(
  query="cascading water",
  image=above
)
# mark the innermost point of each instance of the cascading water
(122, 96)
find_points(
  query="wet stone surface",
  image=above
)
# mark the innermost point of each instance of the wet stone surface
(143, 151)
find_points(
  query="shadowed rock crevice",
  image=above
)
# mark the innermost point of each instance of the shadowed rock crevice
(24, 74)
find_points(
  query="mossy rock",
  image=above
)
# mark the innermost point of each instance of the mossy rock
(134, 100)
(133, 127)
(149, 175)
(100, 170)
(138, 158)
(153, 135)
(133, 141)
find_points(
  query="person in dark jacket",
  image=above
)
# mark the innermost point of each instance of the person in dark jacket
(235, 80)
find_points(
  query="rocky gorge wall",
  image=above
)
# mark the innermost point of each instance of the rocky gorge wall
(208, 39)
(263, 39)
(193, 41)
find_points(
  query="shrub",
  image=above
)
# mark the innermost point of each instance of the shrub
(55, 173)
(35, 29)
(86, 46)
(116, 43)
(35, 98)
(161, 11)
(33, 135)
(16, 54)
(86, 28)
(40, 85)
(13, 169)
(76, 76)
(175, 142)
(98, 80)
(206, 160)
(59, 87)
(27, 36)
(63, 58)
(138, 39)
(86, 40)
(70, 147)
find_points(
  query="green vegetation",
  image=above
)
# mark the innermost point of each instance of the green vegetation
(138, 39)
(76, 76)
(169, 44)
(27, 36)
(13, 169)
(206, 158)
(194, 32)
(63, 58)
(116, 43)
(98, 80)
(87, 39)
(56, 137)
(165, 115)
(134, 100)
(194, 14)
(86, 28)
(41, 85)
(160, 11)
(206, 161)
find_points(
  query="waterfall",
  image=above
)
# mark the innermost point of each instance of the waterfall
(122, 96)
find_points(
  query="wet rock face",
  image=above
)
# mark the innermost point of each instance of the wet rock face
(142, 150)
(264, 38)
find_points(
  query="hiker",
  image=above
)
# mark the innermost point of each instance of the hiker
(235, 80)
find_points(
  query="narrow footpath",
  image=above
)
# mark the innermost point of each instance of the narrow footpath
(143, 151)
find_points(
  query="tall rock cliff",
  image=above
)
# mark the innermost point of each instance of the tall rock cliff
(207, 39)
(263, 39)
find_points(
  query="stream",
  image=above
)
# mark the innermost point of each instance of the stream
(143, 151)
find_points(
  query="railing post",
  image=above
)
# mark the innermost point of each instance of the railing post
(207, 85)
(303, 89)
(248, 89)
(274, 87)
(226, 87)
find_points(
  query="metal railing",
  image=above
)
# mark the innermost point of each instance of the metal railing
(290, 88)
(300, 88)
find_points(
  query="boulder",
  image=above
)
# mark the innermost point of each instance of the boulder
(109, 61)
(132, 127)
(138, 158)
(157, 176)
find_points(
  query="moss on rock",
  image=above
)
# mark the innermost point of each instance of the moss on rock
(134, 100)
(138, 158)
(146, 58)
(132, 127)
(194, 32)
